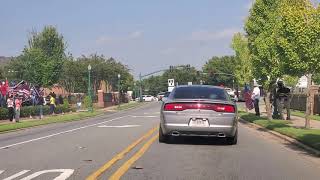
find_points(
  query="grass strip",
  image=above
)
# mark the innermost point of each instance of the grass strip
(61, 118)
(303, 115)
(310, 137)
(48, 120)
(130, 105)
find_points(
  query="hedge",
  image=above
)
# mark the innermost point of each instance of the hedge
(28, 111)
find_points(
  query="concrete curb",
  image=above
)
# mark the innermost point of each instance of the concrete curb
(283, 137)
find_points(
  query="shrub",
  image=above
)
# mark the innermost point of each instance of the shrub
(87, 102)
(27, 111)
(3, 113)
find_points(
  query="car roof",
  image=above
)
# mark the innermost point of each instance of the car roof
(199, 86)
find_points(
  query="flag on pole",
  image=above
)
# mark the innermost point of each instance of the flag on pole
(247, 97)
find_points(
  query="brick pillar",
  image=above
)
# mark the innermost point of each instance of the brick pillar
(100, 99)
(313, 90)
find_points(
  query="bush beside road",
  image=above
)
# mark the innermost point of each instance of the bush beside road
(310, 137)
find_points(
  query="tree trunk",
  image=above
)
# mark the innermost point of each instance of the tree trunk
(308, 105)
(268, 105)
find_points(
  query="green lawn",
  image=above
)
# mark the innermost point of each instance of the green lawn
(61, 118)
(302, 114)
(48, 120)
(310, 137)
(130, 105)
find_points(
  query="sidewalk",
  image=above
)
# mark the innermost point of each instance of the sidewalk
(297, 122)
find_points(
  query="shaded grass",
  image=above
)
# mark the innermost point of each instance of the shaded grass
(302, 114)
(310, 137)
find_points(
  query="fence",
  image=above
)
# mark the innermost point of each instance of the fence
(298, 102)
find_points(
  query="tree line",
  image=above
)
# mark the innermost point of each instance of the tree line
(44, 62)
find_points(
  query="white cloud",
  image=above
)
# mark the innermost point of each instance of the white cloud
(135, 34)
(207, 35)
(103, 39)
(168, 51)
(108, 39)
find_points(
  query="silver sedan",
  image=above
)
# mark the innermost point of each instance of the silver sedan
(199, 111)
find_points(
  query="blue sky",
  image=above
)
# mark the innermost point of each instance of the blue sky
(144, 34)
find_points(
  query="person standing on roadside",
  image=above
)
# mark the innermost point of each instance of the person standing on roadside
(10, 105)
(52, 104)
(18, 104)
(256, 98)
(41, 101)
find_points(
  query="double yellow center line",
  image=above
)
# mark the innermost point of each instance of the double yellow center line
(124, 167)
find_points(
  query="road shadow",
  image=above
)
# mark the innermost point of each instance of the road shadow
(198, 141)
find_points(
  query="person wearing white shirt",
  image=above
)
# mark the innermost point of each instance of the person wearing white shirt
(256, 97)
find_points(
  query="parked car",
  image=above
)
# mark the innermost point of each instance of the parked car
(165, 96)
(230, 92)
(199, 111)
(160, 96)
(148, 98)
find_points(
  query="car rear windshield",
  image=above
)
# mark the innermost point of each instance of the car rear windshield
(200, 93)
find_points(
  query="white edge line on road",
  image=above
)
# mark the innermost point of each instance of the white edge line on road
(65, 174)
(144, 116)
(17, 175)
(124, 126)
(59, 133)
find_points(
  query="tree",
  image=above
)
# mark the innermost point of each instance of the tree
(316, 78)
(243, 67)
(75, 73)
(182, 75)
(220, 70)
(262, 26)
(154, 84)
(42, 59)
(299, 44)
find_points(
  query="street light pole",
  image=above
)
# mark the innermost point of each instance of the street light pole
(140, 84)
(89, 88)
(119, 76)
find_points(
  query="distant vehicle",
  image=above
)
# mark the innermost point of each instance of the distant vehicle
(199, 111)
(160, 96)
(148, 98)
(165, 96)
(230, 92)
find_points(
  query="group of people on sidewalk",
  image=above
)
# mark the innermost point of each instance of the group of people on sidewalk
(279, 100)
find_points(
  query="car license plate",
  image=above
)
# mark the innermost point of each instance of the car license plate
(199, 123)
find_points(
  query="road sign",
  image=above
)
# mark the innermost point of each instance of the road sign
(171, 82)
(189, 83)
(170, 89)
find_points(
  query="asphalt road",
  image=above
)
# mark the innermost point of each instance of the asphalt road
(76, 150)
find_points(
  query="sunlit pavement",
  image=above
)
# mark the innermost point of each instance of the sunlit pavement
(124, 145)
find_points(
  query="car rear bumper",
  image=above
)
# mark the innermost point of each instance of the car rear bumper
(186, 130)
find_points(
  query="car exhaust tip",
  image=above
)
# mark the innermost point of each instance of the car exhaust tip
(175, 133)
(222, 135)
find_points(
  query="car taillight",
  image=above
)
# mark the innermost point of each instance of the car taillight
(174, 107)
(224, 108)
(185, 106)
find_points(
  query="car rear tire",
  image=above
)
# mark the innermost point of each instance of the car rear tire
(162, 138)
(233, 140)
